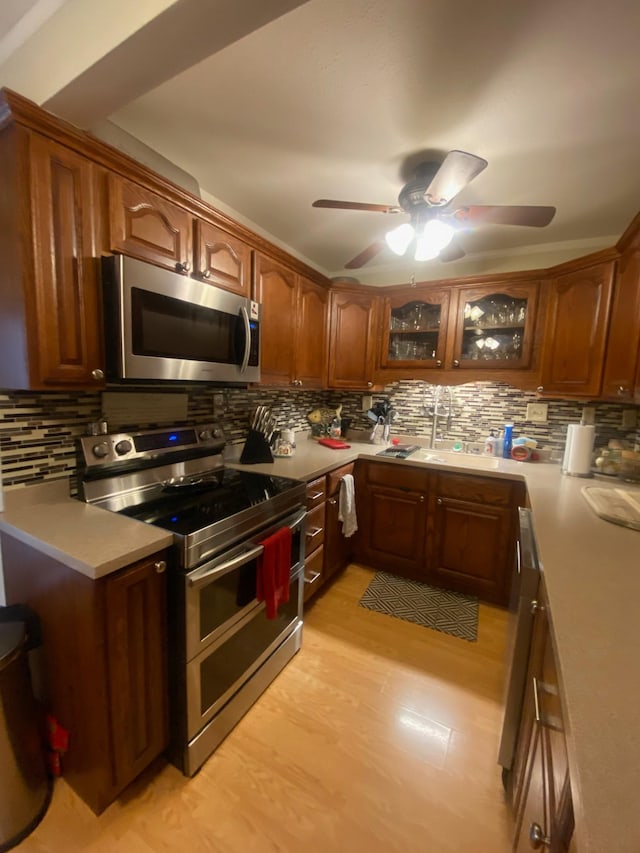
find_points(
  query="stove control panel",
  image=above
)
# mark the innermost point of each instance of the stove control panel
(117, 448)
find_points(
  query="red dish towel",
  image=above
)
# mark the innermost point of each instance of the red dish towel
(274, 565)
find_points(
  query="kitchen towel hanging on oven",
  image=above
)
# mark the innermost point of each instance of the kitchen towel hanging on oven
(273, 568)
(347, 506)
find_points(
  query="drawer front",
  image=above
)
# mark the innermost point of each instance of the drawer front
(396, 476)
(334, 477)
(467, 487)
(314, 529)
(313, 572)
(316, 492)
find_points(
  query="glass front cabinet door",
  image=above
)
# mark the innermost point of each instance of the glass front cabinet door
(415, 326)
(495, 326)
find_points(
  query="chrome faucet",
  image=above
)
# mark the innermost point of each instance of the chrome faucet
(436, 410)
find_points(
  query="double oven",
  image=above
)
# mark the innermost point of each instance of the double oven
(223, 650)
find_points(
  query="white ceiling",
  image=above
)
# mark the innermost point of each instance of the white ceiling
(336, 98)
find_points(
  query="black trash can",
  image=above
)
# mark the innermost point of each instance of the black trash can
(25, 787)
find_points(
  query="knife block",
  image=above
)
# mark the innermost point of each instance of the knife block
(256, 449)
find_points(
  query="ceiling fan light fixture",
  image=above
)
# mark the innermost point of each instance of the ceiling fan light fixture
(398, 239)
(435, 237)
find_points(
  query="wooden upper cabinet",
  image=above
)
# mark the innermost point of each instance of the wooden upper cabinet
(352, 339)
(310, 369)
(414, 327)
(146, 226)
(621, 380)
(275, 287)
(494, 326)
(66, 269)
(293, 328)
(576, 331)
(221, 259)
(50, 333)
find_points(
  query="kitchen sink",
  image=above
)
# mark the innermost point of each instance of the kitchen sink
(453, 457)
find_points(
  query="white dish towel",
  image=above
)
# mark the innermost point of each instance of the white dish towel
(347, 506)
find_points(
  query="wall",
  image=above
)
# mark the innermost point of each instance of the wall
(37, 430)
(480, 406)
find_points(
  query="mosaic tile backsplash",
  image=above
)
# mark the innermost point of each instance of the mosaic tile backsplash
(38, 430)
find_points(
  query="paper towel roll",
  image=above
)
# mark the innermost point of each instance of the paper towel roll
(579, 450)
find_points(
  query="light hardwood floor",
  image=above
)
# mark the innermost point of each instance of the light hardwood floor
(380, 735)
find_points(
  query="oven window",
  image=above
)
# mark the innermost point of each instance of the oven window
(226, 598)
(171, 328)
(222, 599)
(230, 660)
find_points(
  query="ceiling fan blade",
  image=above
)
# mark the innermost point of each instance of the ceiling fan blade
(365, 256)
(505, 214)
(457, 170)
(356, 205)
(453, 252)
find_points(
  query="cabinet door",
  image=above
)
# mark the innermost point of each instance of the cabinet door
(622, 361)
(575, 334)
(414, 335)
(222, 259)
(495, 326)
(136, 652)
(310, 370)
(471, 543)
(352, 339)
(469, 548)
(542, 791)
(66, 286)
(147, 226)
(275, 288)
(393, 528)
(337, 548)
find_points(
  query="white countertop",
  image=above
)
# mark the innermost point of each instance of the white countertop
(91, 541)
(592, 573)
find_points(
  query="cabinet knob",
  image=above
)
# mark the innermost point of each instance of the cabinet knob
(97, 374)
(540, 389)
(536, 607)
(369, 384)
(333, 501)
(438, 362)
(183, 266)
(456, 363)
(439, 501)
(622, 391)
(206, 274)
(537, 838)
(160, 566)
(421, 499)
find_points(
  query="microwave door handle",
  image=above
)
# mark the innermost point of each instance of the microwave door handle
(247, 339)
(201, 578)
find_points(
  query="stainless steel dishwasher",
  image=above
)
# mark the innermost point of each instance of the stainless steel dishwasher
(522, 609)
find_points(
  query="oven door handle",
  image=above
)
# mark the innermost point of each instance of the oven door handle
(204, 576)
(298, 519)
(247, 338)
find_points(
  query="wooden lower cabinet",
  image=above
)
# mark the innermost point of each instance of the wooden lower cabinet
(327, 550)
(540, 784)
(455, 531)
(392, 517)
(104, 650)
(471, 538)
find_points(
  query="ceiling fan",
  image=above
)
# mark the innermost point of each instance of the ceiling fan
(433, 222)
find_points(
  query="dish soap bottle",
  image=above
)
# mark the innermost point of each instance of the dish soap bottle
(490, 444)
(508, 439)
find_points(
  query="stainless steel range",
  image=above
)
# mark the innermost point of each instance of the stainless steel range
(223, 650)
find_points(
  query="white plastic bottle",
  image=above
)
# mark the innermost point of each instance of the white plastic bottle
(490, 444)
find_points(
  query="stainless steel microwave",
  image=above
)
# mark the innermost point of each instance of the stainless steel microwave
(160, 325)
